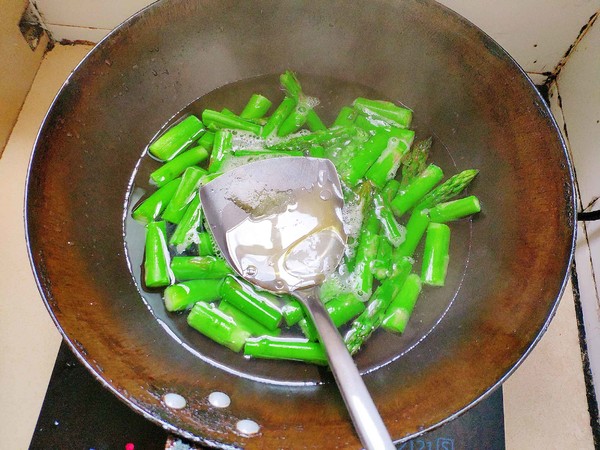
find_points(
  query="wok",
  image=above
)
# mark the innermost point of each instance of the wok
(509, 264)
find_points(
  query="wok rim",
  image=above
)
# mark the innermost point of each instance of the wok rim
(572, 208)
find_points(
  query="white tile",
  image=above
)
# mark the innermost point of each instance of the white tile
(72, 33)
(545, 405)
(537, 33)
(89, 13)
(578, 85)
(29, 340)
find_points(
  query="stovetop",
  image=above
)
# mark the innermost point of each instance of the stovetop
(79, 413)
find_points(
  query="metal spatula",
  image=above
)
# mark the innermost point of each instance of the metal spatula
(278, 222)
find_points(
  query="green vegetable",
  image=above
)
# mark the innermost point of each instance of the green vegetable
(454, 210)
(392, 230)
(207, 140)
(278, 117)
(382, 265)
(221, 147)
(385, 167)
(220, 120)
(345, 117)
(199, 267)
(246, 322)
(218, 326)
(292, 312)
(190, 181)
(286, 348)
(398, 115)
(397, 315)
(341, 309)
(205, 244)
(415, 161)
(153, 206)
(448, 189)
(256, 107)
(172, 169)
(156, 261)
(261, 306)
(435, 255)
(411, 194)
(188, 225)
(415, 229)
(177, 138)
(355, 168)
(314, 122)
(370, 319)
(182, 296)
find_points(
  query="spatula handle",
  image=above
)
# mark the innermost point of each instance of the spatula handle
(367, 421)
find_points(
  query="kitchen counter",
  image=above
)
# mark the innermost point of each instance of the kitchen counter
(545, 402)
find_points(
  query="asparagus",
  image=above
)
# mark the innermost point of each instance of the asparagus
(399, 115)
(207, 140)
(393, 231)
(184, 195)
(412, 193)
(314, 122)
(256, 107)
(383, 262)
(199, 267)
(205, 244)
(174, 168)
(177, 138)
(153, 206)
(246, 322)
(219, 120)
(296, 118)
(222, 145)
(454, 210)
(415, 161)
(156, 261)
(345, 117)
(385, 167)
(435, 254)
(370, 319)
(292, 312)
(415, 229)
(286, 348)
(261, 306)
(397, 315)
(279, 115)
(448, 189)
(188, 225)
(341, 309)
(218, 326)
(182, 296)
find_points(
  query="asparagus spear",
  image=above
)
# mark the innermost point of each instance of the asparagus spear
(279, 115)
(454, 210)
(177, 138)
(370, 319)
(256, 107)
(219, 120)
(397, 315)
(217, 325)
(286, 348)
(172, 169)
(435, 254)
(199, 267)
(412, 193)
(448, 189)
(156, 262)
(181, 296)
(261, 306)
(153, 206)
(415, 161)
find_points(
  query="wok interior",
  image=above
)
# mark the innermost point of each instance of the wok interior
(508, 267)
